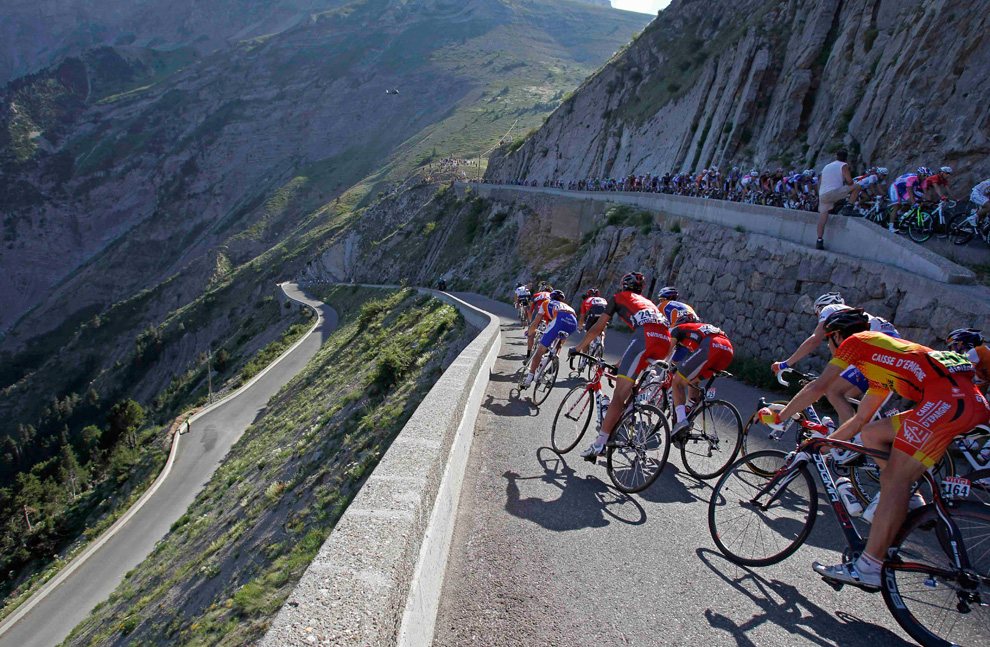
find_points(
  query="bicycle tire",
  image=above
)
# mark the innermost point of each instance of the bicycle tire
(959, 232)
(558, 441)
(741, 481)
(979, 491)
(544, 382)
(917, 569)
(752, 424)
(619, 451)
(920, 228)
(729, 430)
(866, 478)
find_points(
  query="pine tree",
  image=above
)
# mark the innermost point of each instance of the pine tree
(70, 473)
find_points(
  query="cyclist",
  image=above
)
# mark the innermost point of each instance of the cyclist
(854, 383)
(651, 340)
(672, 309)
(980, 196)
(543, 290)
(948, 405)
(522, 296)
(700, 350)
(591, 309)
(937, 186)
(969, 342)
(560, 318)
(902, 191)
(871, 184)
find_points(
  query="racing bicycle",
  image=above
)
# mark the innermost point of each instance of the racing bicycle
(596, 349)
(936, 579)
(546, 372)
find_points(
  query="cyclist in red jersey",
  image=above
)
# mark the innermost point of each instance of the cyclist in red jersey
(651, 340)
(937, 184)
(591, 309)
(949, 404)
(701, 350)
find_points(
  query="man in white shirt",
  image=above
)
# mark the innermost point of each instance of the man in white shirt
(836, 184)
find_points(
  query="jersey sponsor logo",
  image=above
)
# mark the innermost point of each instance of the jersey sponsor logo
(915, 434)
(658, 335)
(908, 365)
(721, 346)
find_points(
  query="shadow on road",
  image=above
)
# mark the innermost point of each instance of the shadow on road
(512, 408)
(584, 502)
(784, 606)
(671, 488)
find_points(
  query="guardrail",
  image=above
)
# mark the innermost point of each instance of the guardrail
(377, 578)
(849, 236)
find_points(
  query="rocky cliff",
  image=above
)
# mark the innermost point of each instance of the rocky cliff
(898, 82)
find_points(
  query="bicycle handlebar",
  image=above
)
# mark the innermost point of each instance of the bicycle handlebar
(787, 375)
(592, 358)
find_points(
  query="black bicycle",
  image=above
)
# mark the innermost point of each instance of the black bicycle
(936, 580)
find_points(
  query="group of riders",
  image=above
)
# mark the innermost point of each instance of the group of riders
(785, 188)
(870, 361)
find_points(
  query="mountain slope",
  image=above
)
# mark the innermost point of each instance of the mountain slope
(757, 82)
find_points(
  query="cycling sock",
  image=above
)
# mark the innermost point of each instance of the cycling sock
(679, 413)
(602, 438)
(867, 563)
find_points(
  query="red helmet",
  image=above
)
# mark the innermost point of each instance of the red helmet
(592, 292)
(633, 281)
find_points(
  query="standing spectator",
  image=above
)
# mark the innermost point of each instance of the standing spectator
(837, 184)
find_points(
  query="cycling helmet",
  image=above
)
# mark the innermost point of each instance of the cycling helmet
(544, 287)
(592, 292)
(808, 173)
(556, 295)
(827, 299)
(962, 339)
(669, 292)
(847, 322)
(633, 281)
(882, 171)
(687, 317)
(735, 169)
(519, 285)
(924, 170)
(945, 169)
(754, 171)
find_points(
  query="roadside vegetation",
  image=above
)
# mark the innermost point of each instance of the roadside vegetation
(228, 564)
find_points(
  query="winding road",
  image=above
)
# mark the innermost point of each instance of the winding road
(546, 552)
(48, 617)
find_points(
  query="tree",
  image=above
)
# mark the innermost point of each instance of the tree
(222, 358)
(72, 475)
(125, 418)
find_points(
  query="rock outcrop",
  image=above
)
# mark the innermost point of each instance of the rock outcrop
(756, 82)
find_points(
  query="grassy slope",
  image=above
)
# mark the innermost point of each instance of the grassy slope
(229, 563)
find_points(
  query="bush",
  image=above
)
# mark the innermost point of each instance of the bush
(393, 362)
(675, 227)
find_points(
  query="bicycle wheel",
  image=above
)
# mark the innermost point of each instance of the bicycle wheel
(960, 230)
(934, 602)
(756, 436)
(713, 441)
(769, 530)
(638, 449)
(544, 382)
(979, 485)
(598, 353)
(920, 227)
(572, 419)
(866, 478)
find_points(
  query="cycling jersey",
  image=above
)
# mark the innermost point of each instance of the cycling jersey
(634, 309)
(900, 188)
(704, 348)
(877, 324)
(560, 320)
(674, 310)
(593, 305)
(934, 180)
(865, 181)
(522, 292)
(538, 300)
(980, 193)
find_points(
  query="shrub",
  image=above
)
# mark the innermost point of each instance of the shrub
(675, 227)
(393, 362)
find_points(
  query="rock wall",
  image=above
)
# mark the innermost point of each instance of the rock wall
(898, 82)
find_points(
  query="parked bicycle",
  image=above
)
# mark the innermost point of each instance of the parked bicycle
(935, 584)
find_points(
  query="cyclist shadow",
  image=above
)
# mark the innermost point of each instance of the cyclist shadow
(668, 488)
(784, 606)
(584, 502)
(513, 407)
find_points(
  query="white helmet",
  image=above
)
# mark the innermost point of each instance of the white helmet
(882, 171)
(827, 299)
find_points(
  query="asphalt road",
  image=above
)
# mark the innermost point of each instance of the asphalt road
(546, 552)
(200, 452)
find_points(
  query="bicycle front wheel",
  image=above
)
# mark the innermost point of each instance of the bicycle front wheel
(756, 436)
(920, 227)
(638, 449)
(573, 417)
(759, 530)
(936, 603)
(544, 382)
(713, 441)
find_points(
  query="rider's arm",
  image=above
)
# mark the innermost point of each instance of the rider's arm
(593, 333)
(812, 392)
(808, 345)
(868, 406)
(535, 323)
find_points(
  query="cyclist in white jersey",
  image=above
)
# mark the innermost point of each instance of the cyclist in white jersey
(854, 383)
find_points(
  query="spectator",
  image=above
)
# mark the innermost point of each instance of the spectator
(836, 185)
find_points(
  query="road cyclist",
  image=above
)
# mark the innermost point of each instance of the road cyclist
(560, 322)
(592, 308)
(521, 302)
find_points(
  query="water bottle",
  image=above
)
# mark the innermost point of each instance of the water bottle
(848, 496)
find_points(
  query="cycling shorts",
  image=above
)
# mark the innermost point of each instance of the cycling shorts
(565, 323)
(523, 301)
(855, 377)
(898, 193)
(590, 321)
(979, 198)
(714, 354)
(649, 341)
(946, 410)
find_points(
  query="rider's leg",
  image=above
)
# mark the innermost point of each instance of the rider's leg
(678, 392)
(620, 397)
(540, 351)
(879, 435)
(896, 481)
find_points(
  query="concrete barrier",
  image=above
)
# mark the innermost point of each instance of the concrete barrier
(851, 236)
(377, 578)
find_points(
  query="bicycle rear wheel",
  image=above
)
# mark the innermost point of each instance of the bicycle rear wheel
(758, 533)
(979, 485)
(960, 231)
(920, 227)
(934, 602)
(572, 419)
(544, 382)
(713, 441)
(638, 449)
